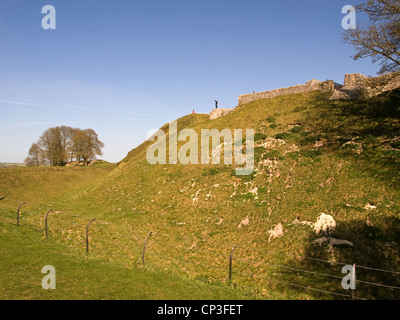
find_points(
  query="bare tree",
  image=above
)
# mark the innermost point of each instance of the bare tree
(380, 39)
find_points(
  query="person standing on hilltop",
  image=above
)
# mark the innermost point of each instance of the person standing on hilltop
(216, 104)
(193, 112)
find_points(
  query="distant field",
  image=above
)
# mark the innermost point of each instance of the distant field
(8, 165)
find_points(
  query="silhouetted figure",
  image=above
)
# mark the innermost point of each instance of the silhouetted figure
(216, 104)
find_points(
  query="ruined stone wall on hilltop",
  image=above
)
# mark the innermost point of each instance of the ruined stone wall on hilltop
(358, 86)
(355, 86)
(377, 85)
(313, 85)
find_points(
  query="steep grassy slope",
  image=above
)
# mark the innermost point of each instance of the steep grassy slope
(312, 156)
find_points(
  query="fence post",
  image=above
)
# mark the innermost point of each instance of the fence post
(87, 235)
(18, 212)
(230, 262)
(45, 222)
(144, 246)
(353, 281)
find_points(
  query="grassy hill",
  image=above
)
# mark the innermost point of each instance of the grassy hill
(312, 156)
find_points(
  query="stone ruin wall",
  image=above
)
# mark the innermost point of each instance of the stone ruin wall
(355, 86)
(313, 85)
(358, 86)
(372, 86)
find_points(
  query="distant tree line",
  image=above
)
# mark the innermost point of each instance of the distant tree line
(60, 145)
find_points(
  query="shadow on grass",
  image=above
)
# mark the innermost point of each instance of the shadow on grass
(371, 125)
(375, 246)
(374, 116)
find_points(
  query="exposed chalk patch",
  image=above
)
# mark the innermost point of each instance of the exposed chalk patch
(244, 222)
(369, 206)
(276, 232)
(333, 242)
(304, 222)
(325, 223)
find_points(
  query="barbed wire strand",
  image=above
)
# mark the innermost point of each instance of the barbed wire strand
(199, 240)
(290, 268)
(177, 238)
(378, 284)
(182, 261)
(294, 255)
(189, 250)
(113, 243)
(377, 269)
(320, 260)
(251, 261)
(292, 284)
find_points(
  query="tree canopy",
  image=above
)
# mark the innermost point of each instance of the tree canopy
(86, 144)
(60, 145)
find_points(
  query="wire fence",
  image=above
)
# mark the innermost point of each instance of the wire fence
(240, 266)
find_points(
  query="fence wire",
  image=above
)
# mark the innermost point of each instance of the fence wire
(133, 243)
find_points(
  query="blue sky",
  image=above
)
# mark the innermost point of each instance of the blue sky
(124, 67)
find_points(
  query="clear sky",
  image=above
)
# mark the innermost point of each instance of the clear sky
(124, 67)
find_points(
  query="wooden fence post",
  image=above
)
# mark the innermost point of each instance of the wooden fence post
(144, 246)
(230, 262)
(87, 235)
(353, 281)
(18, 212)
(45, 222)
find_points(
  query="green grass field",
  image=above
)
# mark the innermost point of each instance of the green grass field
(78, 276)
(312, 156)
